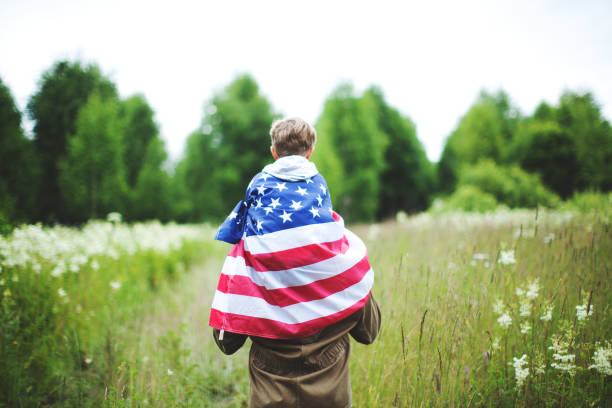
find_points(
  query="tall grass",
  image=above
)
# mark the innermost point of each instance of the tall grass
(443, 283)
(441, 344)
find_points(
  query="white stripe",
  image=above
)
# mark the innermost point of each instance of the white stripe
(303, 275)
(294, 237)
(296, 313)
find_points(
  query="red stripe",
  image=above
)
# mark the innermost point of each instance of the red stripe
(336, 216)
(272, 329)
(243, 285)
(290, 258)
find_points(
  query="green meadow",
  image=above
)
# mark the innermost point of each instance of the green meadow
(510, 308)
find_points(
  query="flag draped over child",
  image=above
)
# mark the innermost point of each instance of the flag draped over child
(294, 269)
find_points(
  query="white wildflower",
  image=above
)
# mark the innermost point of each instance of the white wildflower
(495, 344)
(401, 217)
(532, 290)
(480, 257)
(581, 312)
(170, 372)
(113, 217)
(61, 292)
(540, 368)
(520, 291)
(473, 262)
(601, 360)
(548, 238)
(525, 327)
(507, 257)
(2, 281)
(88, 360)
(37, 268)
(504, 320)
(564, 361)
(145, 359)
(59, 270)
(525, 308)
(95, 265)
(74, 268)
(521, 371)
(487, 264)
(499, 307)
(547, 316)
(116, 285)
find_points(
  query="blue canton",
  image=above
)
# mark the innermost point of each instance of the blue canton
(272, 204)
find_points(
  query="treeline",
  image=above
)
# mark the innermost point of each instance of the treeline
(92, 152)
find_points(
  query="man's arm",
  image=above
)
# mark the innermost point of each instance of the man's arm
(231, 341)
(368, 326)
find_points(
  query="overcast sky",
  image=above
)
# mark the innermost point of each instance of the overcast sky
(430, 58)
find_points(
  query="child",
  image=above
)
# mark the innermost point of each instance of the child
(296, 282)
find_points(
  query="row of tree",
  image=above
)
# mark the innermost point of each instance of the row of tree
(92, 152)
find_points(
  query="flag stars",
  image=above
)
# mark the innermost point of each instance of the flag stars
(296, 205)
(286, 216)
(308, 181)
(320, 200)
(258, 203)
(259, 225)
(301, 191)
(268, 210)
(314, 212)
(261, 190)
(280, 187)
(233, 215)
(265, 176)
(275, 203)
(323, 189)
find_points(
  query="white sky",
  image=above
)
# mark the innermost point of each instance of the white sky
(431, 58)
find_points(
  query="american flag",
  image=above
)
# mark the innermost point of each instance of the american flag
(294, 269)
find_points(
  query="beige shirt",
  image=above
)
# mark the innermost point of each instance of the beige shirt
(307, 372)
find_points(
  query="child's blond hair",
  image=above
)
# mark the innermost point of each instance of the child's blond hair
(292, 136)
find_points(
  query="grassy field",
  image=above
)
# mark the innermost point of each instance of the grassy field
(505, 309)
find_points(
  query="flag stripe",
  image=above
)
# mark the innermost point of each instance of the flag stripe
(243, 285)
(302, 275)
(290, 258)
(296, 313)
(295, 237)
(271, 328)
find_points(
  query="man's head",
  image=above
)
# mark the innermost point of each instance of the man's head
(292, 136)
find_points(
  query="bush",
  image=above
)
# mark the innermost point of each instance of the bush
(509, 185)
(589, 202)
(470, 198)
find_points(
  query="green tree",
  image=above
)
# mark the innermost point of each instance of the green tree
(483, 132)
(151, 197)
(139, 129)
(63, 91)
(91, 175)
(542, 147)
(408, 181)
(18, 164)
(230, 147)
(352, 159)
(579, 116)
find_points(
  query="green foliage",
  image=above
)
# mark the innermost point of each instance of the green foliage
(138, 130)
(509, 185)
(231, 146)
(152, 195)
(469, 198)
(63, 90)
(580, 117)
(484, 132)
(350, 124)
(407, 182)
(590, 201)
(91, 175)
(542, 147)
(18, 164)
